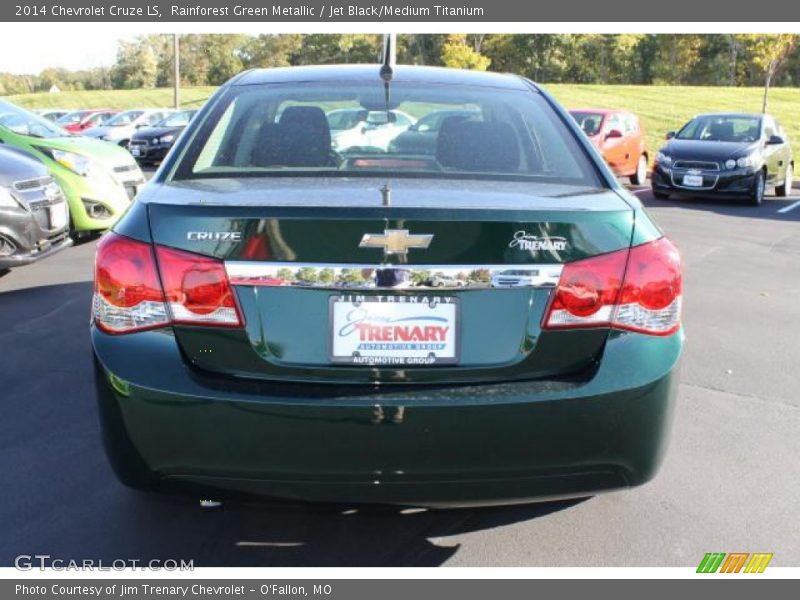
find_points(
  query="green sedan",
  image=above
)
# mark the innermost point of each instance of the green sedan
(99, 179)
(487, 317)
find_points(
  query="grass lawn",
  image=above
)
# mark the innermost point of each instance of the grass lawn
(661, 108)
(147, 98)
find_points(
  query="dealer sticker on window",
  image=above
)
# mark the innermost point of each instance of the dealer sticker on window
(394, 331)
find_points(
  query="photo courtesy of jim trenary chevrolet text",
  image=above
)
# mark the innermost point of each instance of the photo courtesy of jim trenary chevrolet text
(322, 299)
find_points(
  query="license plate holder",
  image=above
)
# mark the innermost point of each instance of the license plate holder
(57, 214)
(394, 331)
(693, 180)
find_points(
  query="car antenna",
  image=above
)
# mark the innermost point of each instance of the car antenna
(388, 62)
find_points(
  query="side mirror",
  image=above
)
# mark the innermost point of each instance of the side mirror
(670, 135)
(614, 133)
(775, 140)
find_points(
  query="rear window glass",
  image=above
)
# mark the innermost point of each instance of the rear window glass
(360, 128)
(590, 123)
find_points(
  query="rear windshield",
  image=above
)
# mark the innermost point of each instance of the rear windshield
(588, 121)
(361, 128)
(722, 128)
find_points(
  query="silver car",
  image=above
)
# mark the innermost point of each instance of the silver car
(34, 218)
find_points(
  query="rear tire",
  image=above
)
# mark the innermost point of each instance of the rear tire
(640, 176)
(757, 193)
(785, 189)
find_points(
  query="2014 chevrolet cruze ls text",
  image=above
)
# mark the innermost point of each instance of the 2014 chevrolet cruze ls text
(489, 319)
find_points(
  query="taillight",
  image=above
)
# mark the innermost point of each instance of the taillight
(637, 289)
(650, 299)
(197, 289)
(129, 295)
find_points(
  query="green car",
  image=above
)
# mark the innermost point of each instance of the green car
(487, 317)
(99, 179)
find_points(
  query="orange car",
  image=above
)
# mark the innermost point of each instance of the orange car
(619, 136)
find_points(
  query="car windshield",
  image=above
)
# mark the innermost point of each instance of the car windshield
(346, 118)
(178, 119)
(722, 128)
(300, 129)
(124, 118)
(588, 121)
(73, 117)
(25, 122)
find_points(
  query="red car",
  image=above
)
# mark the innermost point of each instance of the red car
(619, 136)
(79, 120)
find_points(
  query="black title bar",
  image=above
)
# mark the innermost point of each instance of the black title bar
(441, 11)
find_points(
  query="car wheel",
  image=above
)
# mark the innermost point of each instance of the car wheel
(785, 189)
(757, 194)
(659, 195)
(640, 176)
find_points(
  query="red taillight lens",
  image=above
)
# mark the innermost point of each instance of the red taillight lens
(650, 300)
(130, 297)
(197, 289)
(127, 291)
(587, 292)
(592, 293)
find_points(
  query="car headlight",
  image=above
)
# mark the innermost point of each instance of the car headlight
(730, 164)
(663, 159)
(76, 163)
(746, 162)
(167, 139)
(6, 199)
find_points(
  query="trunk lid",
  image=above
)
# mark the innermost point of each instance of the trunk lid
(296, 247)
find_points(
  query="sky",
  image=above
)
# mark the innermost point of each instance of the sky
(23, 51)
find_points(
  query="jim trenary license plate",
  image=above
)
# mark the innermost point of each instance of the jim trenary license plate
(394, 330)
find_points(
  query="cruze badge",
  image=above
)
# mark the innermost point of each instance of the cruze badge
(533, 243)
(214, 236)
(396, 241)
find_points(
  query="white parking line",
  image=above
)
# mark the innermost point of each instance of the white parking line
(786, 209)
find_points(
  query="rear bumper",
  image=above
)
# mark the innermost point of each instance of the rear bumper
(430, 446)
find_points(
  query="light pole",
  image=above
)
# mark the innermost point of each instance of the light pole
(176, 70)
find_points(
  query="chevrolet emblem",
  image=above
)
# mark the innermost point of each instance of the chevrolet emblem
(395, 241)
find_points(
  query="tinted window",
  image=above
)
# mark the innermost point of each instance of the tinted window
(285, 130)
(125, 118)
(589, 122)
(73, 117)
(177, 119)
(631, 123)
(25, 122)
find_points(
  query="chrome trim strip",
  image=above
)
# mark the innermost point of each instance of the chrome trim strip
(32, 185)
(701, 165)
(397, 277)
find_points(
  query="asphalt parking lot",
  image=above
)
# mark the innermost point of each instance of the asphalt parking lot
(730, 482)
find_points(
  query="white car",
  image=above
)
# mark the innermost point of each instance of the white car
(121, 127)
(353, 128)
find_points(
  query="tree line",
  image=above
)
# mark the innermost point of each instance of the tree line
(666, 59)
